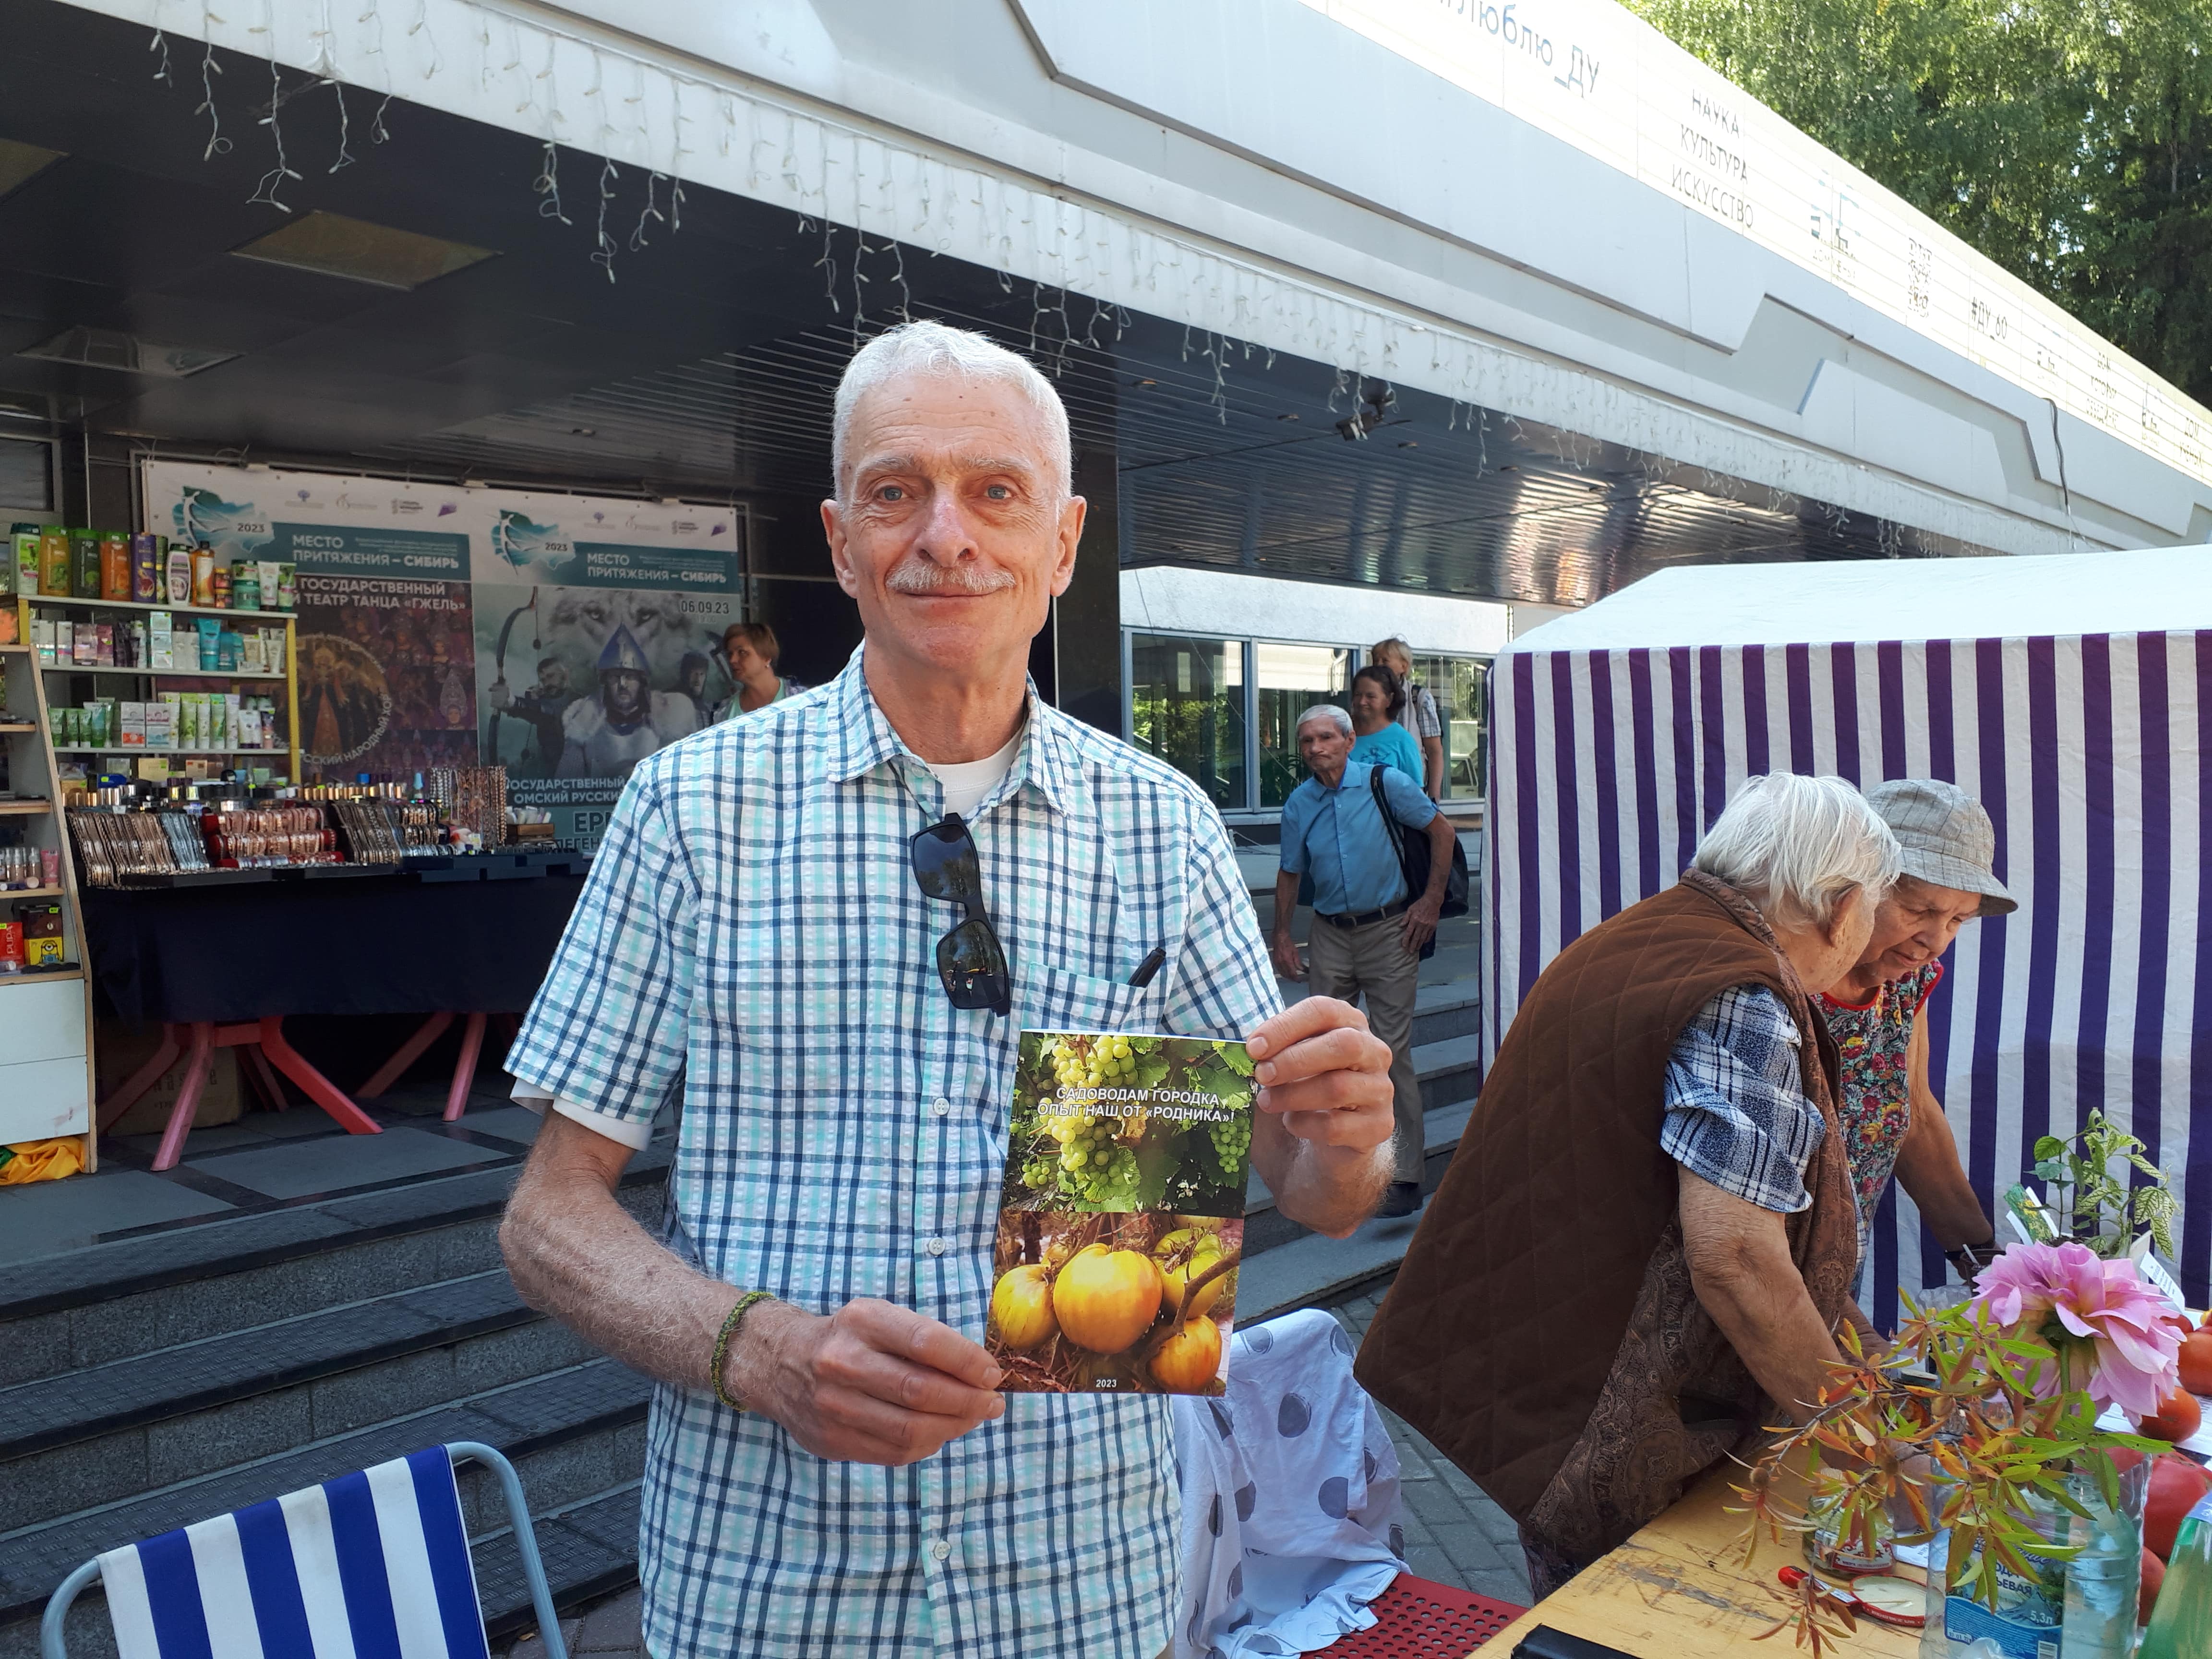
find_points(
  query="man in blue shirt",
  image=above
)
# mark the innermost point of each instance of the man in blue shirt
(1368, 930)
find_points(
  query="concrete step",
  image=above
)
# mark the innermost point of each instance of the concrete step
(574, 1435)
(1442, 1011)
(1446, 1011)
(1309, 1269)
(89, 1437)
(1447, 1073)
(88, 1307)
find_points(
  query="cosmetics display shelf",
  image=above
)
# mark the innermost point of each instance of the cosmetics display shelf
(45, 1010)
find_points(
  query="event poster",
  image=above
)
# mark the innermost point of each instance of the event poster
(598, 630)
(564, 636)
(387, 677)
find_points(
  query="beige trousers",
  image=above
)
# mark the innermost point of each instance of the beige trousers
(1372, 961)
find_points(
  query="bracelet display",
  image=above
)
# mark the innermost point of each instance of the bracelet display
(722, 1346)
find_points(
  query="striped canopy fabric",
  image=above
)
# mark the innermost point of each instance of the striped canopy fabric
(2089, 751)
(372, 1565)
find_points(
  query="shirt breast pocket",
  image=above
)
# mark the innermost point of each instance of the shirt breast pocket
(1059, 1000)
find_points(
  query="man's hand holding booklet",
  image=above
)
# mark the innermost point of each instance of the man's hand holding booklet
(1121, 1225)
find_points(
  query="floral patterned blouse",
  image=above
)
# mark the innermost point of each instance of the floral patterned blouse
(1874, 1105)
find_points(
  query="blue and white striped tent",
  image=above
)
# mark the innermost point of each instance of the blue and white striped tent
(2071, 693)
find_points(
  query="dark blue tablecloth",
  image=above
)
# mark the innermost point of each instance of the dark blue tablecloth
(372, 944)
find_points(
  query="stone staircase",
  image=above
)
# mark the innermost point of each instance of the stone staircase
(153, 1382)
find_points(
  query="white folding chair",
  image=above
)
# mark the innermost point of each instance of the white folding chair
(375, 1562)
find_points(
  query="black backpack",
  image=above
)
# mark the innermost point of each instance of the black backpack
(1412, 852)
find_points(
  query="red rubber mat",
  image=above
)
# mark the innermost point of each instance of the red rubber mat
(1415, 1618)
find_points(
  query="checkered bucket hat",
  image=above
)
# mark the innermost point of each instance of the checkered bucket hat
(1945, 837)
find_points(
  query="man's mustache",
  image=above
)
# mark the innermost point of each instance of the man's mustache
(923, 577)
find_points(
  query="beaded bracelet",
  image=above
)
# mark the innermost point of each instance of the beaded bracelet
(722, 1346)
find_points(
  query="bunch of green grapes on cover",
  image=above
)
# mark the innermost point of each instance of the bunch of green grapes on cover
(1231, 1141)
(1093, 1164)
(1093, 1062)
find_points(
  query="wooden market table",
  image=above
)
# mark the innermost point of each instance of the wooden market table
(1679, 1589)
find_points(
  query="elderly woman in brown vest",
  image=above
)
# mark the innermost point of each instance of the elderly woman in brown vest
(1646, 1240)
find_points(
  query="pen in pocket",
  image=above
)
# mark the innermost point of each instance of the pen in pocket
(1153, 962)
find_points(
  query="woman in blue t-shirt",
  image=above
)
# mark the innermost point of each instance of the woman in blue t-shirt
(1377, 739)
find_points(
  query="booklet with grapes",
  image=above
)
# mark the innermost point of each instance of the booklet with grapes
(1123, 1218)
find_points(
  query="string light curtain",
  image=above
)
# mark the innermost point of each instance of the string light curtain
(625, 130)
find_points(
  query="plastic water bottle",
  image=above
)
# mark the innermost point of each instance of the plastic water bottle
(2101, 1583)
(2181, 1625)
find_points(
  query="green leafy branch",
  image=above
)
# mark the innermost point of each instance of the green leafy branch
(2098, 1207)
(1945, 1431)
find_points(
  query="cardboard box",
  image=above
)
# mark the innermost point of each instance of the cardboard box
(118, 1050)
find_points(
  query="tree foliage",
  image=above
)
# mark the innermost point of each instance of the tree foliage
(2068, 139)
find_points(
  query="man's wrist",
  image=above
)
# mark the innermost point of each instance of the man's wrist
(727, 1348)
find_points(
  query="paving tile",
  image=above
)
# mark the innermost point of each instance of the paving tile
(613, 1627)
(1435, 1504)
(1466, 1544)
(335, 1164)
(509, 1122)
(223, 1138)
(532, 1647)
(48, 1217)
(302, 1121)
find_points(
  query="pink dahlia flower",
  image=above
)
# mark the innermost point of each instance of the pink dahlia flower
(2106, 1327)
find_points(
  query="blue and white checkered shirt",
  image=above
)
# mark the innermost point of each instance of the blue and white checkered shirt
(1737, 1111)
(751, 945)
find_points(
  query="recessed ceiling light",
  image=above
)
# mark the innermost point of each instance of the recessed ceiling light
(111, 348)
(19, 163)
(335, 245)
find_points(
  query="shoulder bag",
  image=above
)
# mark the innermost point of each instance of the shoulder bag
(1412, 852)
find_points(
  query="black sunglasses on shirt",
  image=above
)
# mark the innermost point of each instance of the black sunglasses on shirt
(971, 961)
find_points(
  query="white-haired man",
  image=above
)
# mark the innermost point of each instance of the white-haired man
(1646, 1240)
(764, 941)
(1369, 928)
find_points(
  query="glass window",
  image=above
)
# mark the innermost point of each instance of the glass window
(1289, 679)
(1187, 705)
(1456, 683)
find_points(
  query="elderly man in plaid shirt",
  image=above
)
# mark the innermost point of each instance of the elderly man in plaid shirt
(816, 932)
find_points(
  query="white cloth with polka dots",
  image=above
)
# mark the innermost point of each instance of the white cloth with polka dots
(1290, 1498)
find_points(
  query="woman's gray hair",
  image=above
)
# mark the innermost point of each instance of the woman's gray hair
(927, 348)
(1324, 711)
(1796, 845)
